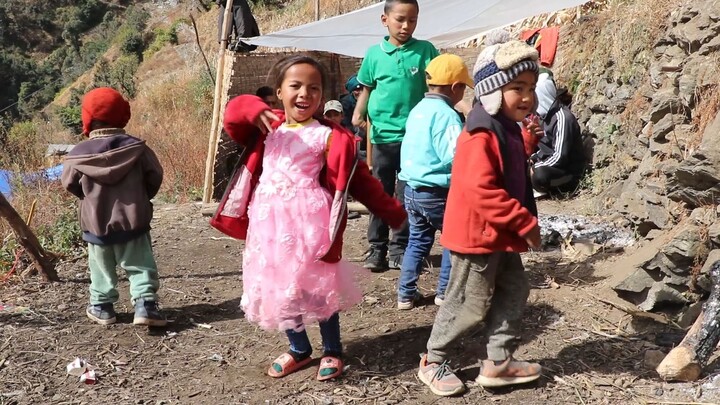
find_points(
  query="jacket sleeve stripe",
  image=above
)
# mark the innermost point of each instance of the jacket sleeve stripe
(559, 140)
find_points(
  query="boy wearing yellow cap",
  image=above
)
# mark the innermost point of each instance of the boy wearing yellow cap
(426, 157)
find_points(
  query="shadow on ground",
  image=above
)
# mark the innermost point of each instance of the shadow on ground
(405, 346)
(188, 317)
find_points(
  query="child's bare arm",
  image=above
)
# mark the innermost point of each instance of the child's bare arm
(360, 113)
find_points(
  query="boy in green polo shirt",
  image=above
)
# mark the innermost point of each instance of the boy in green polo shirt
(393, 76)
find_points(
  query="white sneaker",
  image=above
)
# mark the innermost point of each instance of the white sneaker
(408, 305)
(438, 300)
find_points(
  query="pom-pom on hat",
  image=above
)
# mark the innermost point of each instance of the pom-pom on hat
(498, 65)
(106, 105)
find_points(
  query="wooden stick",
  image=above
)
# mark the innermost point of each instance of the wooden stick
(317, 10)
(686, 361)
(197, 39)
(43, 262)
(214, 133)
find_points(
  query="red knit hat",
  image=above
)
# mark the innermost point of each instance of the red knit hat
(106, 105)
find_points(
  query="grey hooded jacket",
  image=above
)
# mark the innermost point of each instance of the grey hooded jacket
(115, 175)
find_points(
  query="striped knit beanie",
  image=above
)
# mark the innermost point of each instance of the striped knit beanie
(498, 65)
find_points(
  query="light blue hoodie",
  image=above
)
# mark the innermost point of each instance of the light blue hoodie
(428, 148)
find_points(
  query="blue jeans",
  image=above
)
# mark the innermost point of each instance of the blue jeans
(426, 209)
(330, 332)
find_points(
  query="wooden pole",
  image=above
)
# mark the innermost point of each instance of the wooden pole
(43, 262)
(197, 40)
(686, 361)
(317, 10)
(214, 132)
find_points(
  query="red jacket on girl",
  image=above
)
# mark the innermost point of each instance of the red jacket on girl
(343, 174)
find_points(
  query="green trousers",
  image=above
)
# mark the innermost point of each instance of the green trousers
(136, 257)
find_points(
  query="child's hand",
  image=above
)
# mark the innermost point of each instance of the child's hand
(265, 120)
(533, 237)
(533, 126)
(359, 122)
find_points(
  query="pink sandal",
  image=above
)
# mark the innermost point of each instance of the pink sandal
(330, 367)
(286, 364)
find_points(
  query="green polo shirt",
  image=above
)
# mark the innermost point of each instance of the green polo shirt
(396, 76)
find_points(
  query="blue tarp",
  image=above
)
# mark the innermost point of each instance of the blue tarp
(7, 178)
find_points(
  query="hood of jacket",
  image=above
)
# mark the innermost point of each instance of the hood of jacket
(107, 156)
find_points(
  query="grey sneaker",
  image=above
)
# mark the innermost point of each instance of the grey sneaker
(376, 260)
(440, 378)
(148, 314)
(104, 314)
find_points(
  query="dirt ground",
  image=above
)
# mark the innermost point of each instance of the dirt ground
(591, 352)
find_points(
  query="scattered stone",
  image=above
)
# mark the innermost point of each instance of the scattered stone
(687, 318)
(663, 293)
(703, 279)
(639, 281)
(665, 101)
(714, 234)
(653, 358)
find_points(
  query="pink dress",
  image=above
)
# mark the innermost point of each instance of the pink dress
(284, 282)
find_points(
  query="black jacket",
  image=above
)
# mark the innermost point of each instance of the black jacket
(562, 146)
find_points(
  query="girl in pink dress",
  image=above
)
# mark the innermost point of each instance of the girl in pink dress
(299, 173)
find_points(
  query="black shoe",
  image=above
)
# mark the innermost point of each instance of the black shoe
(148, 314)
(353, 215)
(104, 314)
(376, 260)
(395, 261)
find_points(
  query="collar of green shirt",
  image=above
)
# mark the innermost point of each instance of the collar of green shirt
(389, 48)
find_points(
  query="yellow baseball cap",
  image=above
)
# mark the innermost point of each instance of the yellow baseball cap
(447, 69)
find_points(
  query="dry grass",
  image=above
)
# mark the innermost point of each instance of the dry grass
(706, 110)
(634, 109)
(616, 42)
(174, 118)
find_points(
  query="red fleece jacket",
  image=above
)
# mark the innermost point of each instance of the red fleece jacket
(480, 216)
(343, 173)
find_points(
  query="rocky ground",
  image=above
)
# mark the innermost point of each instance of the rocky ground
(591, 351)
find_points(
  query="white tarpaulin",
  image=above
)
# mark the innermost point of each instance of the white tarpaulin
(445, 23)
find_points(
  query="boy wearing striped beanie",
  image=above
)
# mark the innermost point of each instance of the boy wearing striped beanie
(490, 218)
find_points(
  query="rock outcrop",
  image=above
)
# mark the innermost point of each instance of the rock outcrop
(656, 126)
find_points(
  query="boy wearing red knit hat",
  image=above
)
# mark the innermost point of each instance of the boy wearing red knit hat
(115, 175)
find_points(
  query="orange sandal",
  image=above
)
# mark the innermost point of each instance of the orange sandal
(330, 367)
(286, 364)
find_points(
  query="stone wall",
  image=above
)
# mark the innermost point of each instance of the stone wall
(656, 129)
